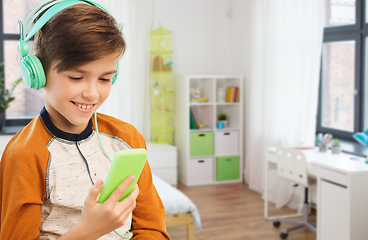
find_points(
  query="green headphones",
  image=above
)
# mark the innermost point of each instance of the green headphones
(30, 66)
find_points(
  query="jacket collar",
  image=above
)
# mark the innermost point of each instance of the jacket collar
(65, 135)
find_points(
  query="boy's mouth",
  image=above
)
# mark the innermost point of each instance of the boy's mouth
(83, 106)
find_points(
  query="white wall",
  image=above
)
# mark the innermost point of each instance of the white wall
(240, 37)
(205, 39)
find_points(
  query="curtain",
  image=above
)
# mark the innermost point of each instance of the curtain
(282, 89)
(129, 99)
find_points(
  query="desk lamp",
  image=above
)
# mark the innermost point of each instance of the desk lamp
(362, 138)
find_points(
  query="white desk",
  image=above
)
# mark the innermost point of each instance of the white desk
(342, 194)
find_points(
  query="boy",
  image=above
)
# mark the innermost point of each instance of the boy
(48, 190)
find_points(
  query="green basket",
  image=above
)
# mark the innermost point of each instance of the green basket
(201, 144)
(227, 168)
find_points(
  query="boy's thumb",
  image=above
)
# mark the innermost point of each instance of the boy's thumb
(93, 192)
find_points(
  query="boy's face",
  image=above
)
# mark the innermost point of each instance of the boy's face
(72, 96)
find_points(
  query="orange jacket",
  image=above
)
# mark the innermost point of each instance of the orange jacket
(41, 172)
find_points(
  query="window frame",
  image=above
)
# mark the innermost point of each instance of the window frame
(354, 27)
(9, 122)
(357, 32)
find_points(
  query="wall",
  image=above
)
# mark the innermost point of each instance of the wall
(206, 40)
(240, 37)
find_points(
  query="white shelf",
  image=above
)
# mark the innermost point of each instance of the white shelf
(226, 104)
(206, 114)
(201, 104)
(202, 130)
(226, 129)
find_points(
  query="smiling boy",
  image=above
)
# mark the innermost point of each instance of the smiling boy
(47, 189)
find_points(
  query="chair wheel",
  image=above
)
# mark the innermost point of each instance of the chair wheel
(283, 235)
(276, 224)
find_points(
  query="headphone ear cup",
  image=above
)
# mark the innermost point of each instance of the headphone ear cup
(32, 72)
(115, 74)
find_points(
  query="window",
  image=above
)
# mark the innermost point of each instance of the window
(28, 102)
(341, 96)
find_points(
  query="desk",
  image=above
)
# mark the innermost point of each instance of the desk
(342, 194)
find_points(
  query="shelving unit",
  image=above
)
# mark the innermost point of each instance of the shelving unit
(208, 155)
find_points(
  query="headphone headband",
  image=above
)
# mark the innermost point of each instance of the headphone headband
(40, 8)
(56, 7)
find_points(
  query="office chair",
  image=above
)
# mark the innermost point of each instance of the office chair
(292, 166)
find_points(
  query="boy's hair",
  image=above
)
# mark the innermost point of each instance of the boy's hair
(77, 35)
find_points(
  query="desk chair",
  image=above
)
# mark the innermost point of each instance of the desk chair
(292, 166)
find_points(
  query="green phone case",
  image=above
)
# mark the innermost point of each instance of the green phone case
(125, 163)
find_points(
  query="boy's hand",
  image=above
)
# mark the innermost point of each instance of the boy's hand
(103, 218)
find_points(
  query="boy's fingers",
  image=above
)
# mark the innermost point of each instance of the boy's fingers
(133, 195)
(93, 193)
(119, 191)
(131, 200)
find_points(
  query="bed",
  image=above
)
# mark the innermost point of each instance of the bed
(180, 210)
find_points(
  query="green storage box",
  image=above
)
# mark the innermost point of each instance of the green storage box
(227, 168)
(201, 144)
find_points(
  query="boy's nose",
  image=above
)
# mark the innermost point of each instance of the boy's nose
(90, 91)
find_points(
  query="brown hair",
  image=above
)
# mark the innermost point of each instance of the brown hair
(77, 35)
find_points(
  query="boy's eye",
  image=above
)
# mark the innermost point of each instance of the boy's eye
(105, 79)
(75, 78)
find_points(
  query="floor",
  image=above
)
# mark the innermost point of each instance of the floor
(233, 211)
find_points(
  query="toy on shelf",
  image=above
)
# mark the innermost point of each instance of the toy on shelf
(196, 97)
(194, 94)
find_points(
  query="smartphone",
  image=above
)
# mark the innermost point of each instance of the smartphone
(125, 163)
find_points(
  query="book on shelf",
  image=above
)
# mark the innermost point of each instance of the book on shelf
(232, 94)
(236, 94)
(229, 94)
(192, 121)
